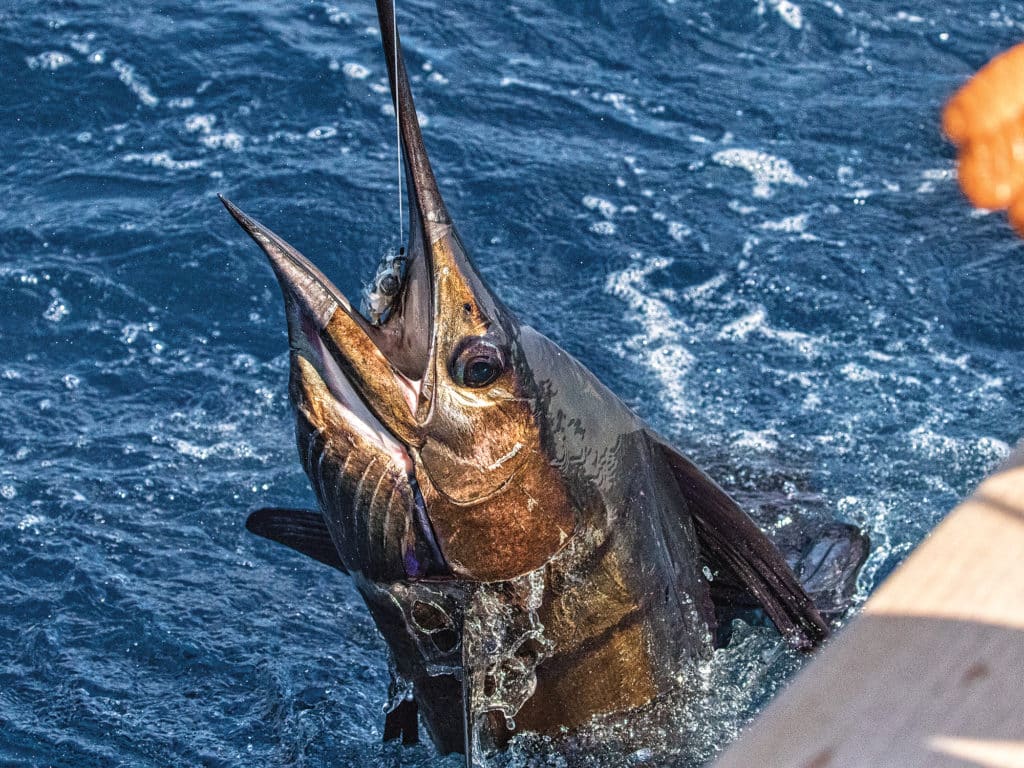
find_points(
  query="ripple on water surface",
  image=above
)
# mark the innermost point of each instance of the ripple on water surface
(751, 232)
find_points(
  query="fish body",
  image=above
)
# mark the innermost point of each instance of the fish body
(531, 551)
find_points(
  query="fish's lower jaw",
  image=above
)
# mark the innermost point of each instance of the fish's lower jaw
(338, 394)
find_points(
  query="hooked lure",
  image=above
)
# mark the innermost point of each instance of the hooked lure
(380, 294)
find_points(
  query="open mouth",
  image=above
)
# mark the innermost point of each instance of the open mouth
(414, 383)
(375, 400)
(381, 375)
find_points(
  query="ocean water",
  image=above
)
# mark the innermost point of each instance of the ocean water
(740, 214)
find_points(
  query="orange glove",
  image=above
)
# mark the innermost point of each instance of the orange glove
(985, 119)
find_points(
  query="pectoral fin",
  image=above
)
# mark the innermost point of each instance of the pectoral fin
(402, 723)
(301, 529)
(732, 544)
(828, 562)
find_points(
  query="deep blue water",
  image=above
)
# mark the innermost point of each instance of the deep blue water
(740, 214)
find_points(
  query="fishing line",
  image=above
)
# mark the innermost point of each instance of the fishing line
(380, 294)
(398, 126)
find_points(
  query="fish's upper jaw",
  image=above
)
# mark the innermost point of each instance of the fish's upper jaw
(425, 197)
(341, 345)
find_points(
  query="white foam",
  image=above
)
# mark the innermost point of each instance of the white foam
(678, 231)
(931, 176)
(322, 132)
(619, 102)
(930, 442)
(57, 310)
(355, 71)
(603, 227)
(993, 448)
(197, 123)
(82, 43)
(859, 373)
(756, 322)
(765, 440)
(161, 160)
(230, 140)
(696, 293)
(235, 449)
(789, 12)
(130, 331)
(29, 521)
(767, 170)
(812, 402)
(337, 16)
(606, 208)
(51, 60)
(126, 74)
(791, 224)
(659, 344)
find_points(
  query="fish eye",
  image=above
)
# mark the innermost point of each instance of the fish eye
(476, 363)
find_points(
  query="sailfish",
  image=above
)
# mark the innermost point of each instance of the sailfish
(532, 552)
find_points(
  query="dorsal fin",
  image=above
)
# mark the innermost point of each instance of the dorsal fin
(301, 529)
(731, 542)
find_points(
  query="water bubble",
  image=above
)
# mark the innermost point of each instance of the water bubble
(605, 207)
(160, 160)
(57, 310)
(767, 170)
(230, 140)
(200, 123)
(322, 132)
(355, 71)
(50, 60)
(126, 74)
(678, 231)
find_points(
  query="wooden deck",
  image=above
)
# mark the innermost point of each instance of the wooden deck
(931, 673)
